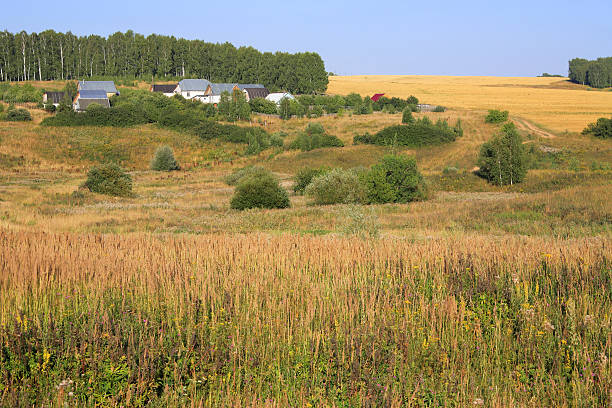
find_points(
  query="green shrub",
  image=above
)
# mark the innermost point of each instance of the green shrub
(407, 116)
(304, 177)
(502, 160)
(276, 140)
(116, 116)
(259, 191)
(421, 132)
(439, 108)
(109, 179)
(235, 178)
(496, 116)
(601, 129)
(164, 160)
(314, 137)
(1, 108)
(396, 179)
(337, 186)
(49, 107)
(18, 115)
(262, 105)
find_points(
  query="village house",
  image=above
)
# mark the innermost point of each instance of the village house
(252, 91)
(277, 97)
(54, 98)
(85, 98)
(107, 86)
(191, 88)
(213, 92)
(166, 89)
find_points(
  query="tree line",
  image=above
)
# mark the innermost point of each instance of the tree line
(51, 55)
(596, 73)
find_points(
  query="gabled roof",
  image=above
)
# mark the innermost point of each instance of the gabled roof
(165, 88)
(194, 84)
(218, 89)
(256, 92)
(106, 86)
(376, 97)
(243, 86)
(92, 94)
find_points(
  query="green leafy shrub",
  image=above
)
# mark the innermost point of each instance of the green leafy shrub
(421, 132)
(259, 191)
(336, 186)
(502, 160)
(601, 129)
(247, 171)
(314, 137)
(18, 115)
(395, 179)
(49, 107)
(1, 108)
(109, 179)
(407, 116)
(496, 116)
(304, 177)
(116, 116)
(164, 160)
(439, 108)
(262, 105)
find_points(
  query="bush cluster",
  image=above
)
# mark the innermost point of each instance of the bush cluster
(496, 116)
(261, 190)
(395, 179)
(164, 160)
(248, 171)
(19, 93)
(304, 177)
(314, 137)
(109, 179)
(418, 133)
(601, 129)
(262, 105)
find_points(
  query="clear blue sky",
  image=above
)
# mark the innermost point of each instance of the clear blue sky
(440, 37)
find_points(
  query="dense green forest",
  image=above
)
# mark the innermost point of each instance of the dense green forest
(596, 73)
(50, 55)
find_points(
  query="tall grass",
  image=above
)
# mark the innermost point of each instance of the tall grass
(289, 320)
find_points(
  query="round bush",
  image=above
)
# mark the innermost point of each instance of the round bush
(304, 177)
(18, 115)
(337, 186)
(164, 160)
(395, 179)
(248, 171)
(263, 191)
(109, 179)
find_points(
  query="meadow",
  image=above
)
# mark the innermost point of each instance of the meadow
(479, 296)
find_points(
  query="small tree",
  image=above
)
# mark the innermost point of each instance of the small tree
(109, 179)
(502, 160)
(407, 116)
(164, 160)
(261, 191)
(601, 129)
(18, 115)
(284, 109)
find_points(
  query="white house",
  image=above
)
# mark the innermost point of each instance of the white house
(277, 97)
(191, 88)
(214, 91)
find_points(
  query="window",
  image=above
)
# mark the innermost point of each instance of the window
(188, 94)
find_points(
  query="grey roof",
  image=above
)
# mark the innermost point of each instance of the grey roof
(256, 92)
(165, 88)
(106, 86)
(243, 86)
(92, 94)
(194, 84)
(218, 89)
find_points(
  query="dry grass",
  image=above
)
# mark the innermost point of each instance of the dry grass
(549, 102)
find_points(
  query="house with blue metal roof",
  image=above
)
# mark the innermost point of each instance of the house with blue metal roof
(85, 97)
(106, 86)
(190, 88)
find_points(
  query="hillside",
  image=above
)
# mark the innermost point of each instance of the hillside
(551, 103)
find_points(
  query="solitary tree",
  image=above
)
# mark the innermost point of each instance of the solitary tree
(502, 159)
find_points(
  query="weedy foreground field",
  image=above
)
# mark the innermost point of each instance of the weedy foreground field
(553, 103)
(261, 320)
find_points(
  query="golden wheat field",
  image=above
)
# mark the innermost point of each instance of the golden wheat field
(553, 103)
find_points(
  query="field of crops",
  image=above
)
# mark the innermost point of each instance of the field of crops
(553, 103)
